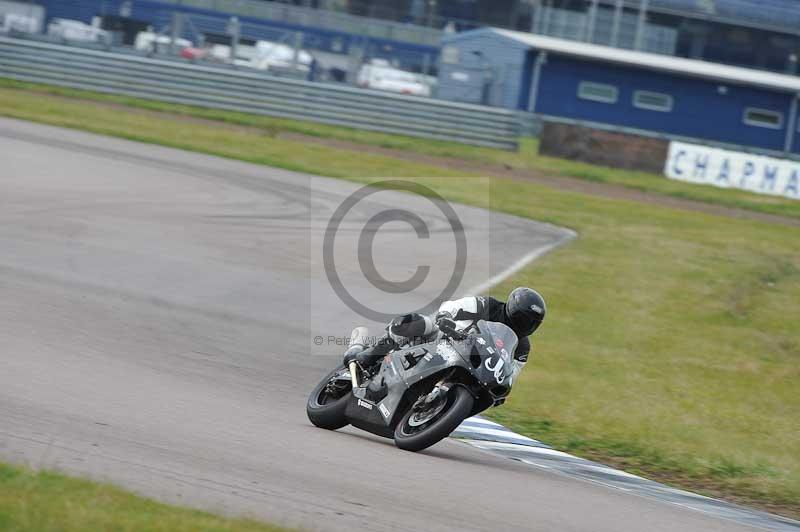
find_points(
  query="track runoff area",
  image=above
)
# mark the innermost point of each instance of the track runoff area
(166, 313)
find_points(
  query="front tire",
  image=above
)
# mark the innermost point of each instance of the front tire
(411, 436)
(326, 410)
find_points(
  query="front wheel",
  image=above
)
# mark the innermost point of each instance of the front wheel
(419, 429)
(327, 403)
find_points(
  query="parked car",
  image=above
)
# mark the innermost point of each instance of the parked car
(148, 41)
(21, 23)
(77, 31)
(194, 53)
(267, 55)
(380, 75)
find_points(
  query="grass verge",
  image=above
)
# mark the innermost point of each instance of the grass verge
(671, 346)
(33, 501)
(526, 159)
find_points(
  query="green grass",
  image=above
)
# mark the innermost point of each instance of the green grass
(43, 501)
(526, 159)
(261, 147)
(671, 345)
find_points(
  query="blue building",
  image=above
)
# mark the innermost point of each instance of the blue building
(626, 90)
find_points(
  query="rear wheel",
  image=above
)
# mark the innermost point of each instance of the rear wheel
(327, 403)
(425, 425)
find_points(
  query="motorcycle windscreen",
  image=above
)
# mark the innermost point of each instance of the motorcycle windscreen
(505, 343)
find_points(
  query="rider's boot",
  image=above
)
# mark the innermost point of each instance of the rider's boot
(368, 357)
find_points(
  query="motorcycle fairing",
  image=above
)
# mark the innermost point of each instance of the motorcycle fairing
(398, 372)
(374, 405)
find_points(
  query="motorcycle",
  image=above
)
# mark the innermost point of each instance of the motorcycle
(421, 393)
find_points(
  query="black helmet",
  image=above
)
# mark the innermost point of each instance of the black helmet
(525, 310)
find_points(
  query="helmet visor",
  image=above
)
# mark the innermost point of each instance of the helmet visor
(524, 324)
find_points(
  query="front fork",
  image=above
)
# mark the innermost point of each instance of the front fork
(440, 389)
(358, 342)
(354, 374)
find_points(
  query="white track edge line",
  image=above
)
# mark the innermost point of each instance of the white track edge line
(522, 262)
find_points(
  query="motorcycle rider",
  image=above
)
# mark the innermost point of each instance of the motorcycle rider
(523, 313)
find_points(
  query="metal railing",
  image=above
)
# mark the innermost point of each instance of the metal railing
(251, 92)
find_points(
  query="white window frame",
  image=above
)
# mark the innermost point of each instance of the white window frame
(663, 109)
(595, 98)
(753, 123)
(451, 55)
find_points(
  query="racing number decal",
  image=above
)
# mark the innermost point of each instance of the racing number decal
(497, 369)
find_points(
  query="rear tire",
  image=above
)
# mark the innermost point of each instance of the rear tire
(324, 411)
(458, 408)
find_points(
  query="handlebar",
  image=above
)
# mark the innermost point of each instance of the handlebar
(454, 334)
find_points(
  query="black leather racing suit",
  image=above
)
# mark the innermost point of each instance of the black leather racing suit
(464, 311)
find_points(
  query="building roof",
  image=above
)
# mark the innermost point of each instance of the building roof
(658, 62)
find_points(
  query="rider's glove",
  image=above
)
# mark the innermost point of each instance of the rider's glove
(445, 322)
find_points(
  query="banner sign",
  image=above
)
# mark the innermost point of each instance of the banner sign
(732, 169)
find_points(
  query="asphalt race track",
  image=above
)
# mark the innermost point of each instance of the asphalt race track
(158, 311)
